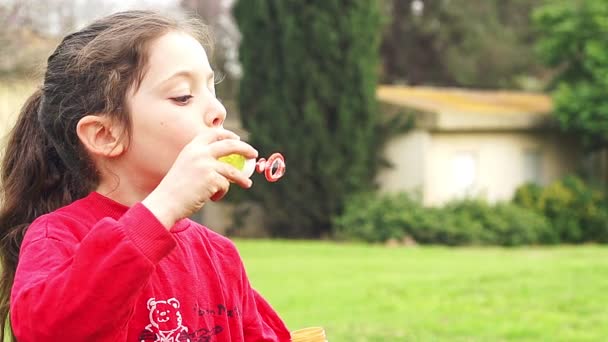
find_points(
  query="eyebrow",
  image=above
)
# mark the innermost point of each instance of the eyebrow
(187, 74)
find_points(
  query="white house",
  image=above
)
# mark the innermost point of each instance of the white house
(480, 143)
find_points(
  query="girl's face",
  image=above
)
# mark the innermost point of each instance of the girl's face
(175, 102)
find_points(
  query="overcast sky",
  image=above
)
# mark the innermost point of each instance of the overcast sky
(130, 4)
(87, 14)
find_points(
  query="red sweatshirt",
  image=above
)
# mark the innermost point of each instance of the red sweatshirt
(96, 270)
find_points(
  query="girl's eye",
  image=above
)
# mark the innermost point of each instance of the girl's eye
(182, 100)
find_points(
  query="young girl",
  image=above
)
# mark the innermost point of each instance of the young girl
(106, 162)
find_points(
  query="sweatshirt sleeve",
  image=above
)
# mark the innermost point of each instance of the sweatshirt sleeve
(270, 319)
(86, 291)
(261, 322)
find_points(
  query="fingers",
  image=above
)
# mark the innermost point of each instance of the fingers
(222, 188)
(226, 147)
(224, 134)
(230, 173)
(215, 134)
(199, 160)
(218, 196)
(222, 142)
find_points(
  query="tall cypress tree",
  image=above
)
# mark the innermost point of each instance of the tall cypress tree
(308, 91)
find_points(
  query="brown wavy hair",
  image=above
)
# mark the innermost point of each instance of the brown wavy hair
(45, 166)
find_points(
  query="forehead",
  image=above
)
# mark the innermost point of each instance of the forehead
(175, 51)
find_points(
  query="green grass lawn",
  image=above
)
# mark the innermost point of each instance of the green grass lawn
(363, 293)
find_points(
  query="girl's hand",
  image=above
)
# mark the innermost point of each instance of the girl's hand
(197, 176)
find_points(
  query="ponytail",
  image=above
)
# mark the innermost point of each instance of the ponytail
(34, 181)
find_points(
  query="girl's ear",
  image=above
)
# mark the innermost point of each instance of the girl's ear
(101, 136)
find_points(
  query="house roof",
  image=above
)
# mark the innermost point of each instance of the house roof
(463, 109)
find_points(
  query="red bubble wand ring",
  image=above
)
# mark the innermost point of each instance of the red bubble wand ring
(273, 167)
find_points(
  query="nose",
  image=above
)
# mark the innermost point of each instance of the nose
(216, 114)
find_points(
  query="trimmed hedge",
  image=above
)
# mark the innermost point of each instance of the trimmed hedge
(576, 211)
(378, 218)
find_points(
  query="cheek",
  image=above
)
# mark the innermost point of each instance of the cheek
(180, 123)
(162, 128)
(175, 135)
(166, 129)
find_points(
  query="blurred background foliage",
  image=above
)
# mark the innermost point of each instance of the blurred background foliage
(304, 77)
(315, 105)
(573, 40)
(463, 43)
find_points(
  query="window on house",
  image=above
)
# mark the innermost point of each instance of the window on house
(464, 171)
(532, 163)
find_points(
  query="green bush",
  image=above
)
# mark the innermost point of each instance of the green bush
(501, 224)
(441, 226)
(521, 226)
(577, 212)
(378, 218)
(528, 196)
(374, 218)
